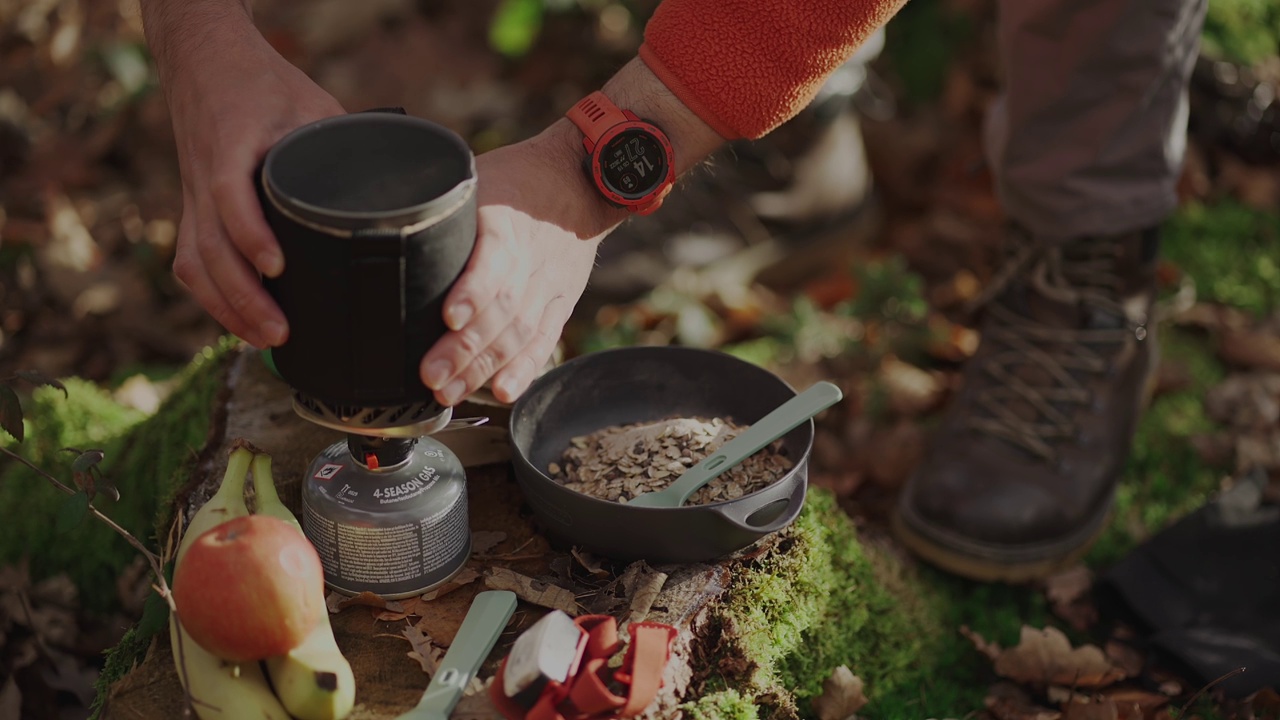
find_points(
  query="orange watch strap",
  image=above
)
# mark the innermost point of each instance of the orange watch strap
(594, 114)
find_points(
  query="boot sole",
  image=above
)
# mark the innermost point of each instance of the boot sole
(993, 565)
(990, 563)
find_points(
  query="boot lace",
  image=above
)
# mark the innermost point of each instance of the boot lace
(1045, 368)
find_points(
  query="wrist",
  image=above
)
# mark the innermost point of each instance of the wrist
(561, 145)
(636, 88)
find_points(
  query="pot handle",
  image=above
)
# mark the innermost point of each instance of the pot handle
(736, 514)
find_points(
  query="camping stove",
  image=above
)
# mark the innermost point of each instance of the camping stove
(386, 509)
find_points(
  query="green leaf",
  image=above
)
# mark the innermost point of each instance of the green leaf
(37, 378)
(86, 460)
(155, 613)
(10, 412)
(72, 512)
(515, 26)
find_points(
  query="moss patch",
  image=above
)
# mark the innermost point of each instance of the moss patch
(147, 458)
(820, 600)
(1231, 251)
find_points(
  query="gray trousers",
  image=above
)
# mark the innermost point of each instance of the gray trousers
(1089, 135)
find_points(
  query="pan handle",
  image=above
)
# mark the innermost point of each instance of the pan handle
(737, 513)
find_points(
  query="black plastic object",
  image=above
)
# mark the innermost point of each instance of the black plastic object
(375, 213)
(1205, 593)
(628, 385)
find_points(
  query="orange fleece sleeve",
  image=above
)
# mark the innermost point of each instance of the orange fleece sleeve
(747, 66)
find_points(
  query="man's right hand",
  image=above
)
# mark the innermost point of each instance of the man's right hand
(231, 97)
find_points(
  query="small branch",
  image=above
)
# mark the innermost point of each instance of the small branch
(152, 558)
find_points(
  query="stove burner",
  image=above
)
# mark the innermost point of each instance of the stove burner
(396, 421)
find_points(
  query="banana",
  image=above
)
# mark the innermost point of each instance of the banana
(313, 680)
(221, 690)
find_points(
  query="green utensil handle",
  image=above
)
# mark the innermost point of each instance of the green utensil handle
(480, 629)
(781, 421)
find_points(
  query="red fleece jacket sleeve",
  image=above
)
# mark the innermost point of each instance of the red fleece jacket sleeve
(747, 66)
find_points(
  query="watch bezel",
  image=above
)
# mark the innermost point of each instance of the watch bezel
(597, 166)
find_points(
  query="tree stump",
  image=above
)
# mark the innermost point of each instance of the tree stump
(763, 628)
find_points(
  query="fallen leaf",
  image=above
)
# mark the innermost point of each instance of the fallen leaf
(1045, 657)
(589, 562)
(1265, 703)
(484, 541)
(1068, 594)
(538, 592)
(424, 650)
(1006, 701)
(1127, 699)
(1126, 657)
(841, 696)
(911, 391)
(1246, 400)
(464, 577)
(71, 676)
(1215, 449)
(1248, 349)
(990, 649)
(371, 600)
(891, 454)
(643, 584)
(1101, 709)
(334, 601)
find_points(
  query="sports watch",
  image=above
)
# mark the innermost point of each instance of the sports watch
(628, 160)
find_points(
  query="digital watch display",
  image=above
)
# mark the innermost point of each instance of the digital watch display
(629, 160)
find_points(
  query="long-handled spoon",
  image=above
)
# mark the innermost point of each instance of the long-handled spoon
(781, 421)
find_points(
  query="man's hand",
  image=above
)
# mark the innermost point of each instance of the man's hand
(540, 223)
(232, 96)
(538, 229)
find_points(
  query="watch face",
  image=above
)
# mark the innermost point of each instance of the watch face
(633, 164)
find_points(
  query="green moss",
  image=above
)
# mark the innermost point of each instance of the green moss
(821, 601)
(1244, 31)
(722, 705)
(145, 457)
(1231, 251)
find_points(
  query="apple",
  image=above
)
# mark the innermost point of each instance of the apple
(249, 589)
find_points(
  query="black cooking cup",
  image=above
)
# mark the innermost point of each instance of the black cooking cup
(640, 384)
(375, 213)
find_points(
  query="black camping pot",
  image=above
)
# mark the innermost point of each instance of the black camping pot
(629, 385)
(375, 213)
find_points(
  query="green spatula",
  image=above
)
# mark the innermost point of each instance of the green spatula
(480, 629)
(781, 421)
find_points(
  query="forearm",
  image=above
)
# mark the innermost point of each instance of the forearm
(184, 34)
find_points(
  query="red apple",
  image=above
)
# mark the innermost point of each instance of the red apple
(249, 589)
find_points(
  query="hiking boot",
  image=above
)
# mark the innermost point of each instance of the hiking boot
(1019, 478)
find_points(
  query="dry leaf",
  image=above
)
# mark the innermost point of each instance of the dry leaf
(1102, 709)
(538, 592)
(334, 601)
(1250, 349)
(1068, 594)
(1127, 699)
(464, 577)
(911, 391)
(841, 696)
(1045, 657)
(1006, 701)
(589, 562)
(424, 650)
(1125, 657)
(990, 649)
(484, 541)
(643, 587)
(371, 600)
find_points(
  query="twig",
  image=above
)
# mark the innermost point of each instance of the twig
(161, 587)
(1202, 690)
